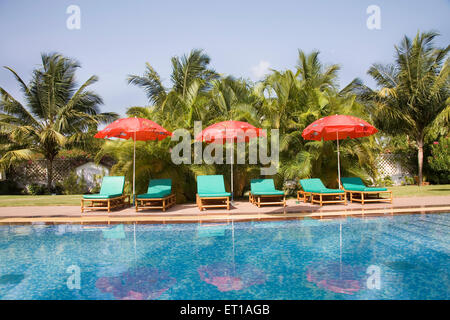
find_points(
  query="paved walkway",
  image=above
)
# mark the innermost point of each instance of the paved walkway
(241, 210)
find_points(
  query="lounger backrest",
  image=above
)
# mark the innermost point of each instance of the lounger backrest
(350, 182)
(210, 184)
(112, 185)
(311, 184)
(262, 185)
(160, 185)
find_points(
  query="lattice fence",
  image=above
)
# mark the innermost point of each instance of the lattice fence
(36, 171)
(388, 165)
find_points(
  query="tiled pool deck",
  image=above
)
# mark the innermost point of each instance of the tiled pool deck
(240, 211)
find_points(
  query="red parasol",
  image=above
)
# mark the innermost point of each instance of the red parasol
(338, 127)
(230, 131)
(138, 129)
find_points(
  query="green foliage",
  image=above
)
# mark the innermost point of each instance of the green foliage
(413, 93)
(35, 189)
(384, 182)
(439, 161)
(9, 187)
(73, 184)
(56, 114)
(440, 155)
(407, 180)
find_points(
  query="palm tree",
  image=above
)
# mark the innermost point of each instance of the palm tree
(56, 113)
(413, 92)
(191, 77)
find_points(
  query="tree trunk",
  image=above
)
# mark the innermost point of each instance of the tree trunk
(420, 160)
(49, 174)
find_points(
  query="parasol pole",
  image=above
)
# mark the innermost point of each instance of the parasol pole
(339, 164)
(134, 166)
(232, 160)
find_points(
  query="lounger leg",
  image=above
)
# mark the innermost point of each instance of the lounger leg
(362, 197)
(136, 202)
(259, 202)
(164, 205)
(321, 204)
(284, 201)
(109, 206)
(228, 203)
(82, 206)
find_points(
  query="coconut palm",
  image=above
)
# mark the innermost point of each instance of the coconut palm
(412, 97)
(55, 113)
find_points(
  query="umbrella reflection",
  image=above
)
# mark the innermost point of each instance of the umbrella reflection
(227, 276)
(141, 283)
(336, 277)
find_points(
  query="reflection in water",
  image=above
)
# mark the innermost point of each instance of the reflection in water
(336, 277)
(227, 276)
(11, 279)
(141, 283)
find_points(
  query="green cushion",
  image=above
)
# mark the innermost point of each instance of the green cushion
(112, 185)
(316, 186)
(210, 184)
(211, 195)
(269, 193)
(367, 189)
(101, 196)
(356, 184)
(155, 194)
(157, 188)
(264, 187)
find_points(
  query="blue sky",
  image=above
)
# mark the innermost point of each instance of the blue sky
(243, 38)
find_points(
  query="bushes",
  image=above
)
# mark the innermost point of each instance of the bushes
(35, 189)
(9, 187)
(74, 184)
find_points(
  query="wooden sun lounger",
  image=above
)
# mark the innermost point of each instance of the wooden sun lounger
(211, 192)
(261, 200)
(214, 202)
(363, 196)
(106, 204)
(319, 197)
(159, 196)
(263, 192)
(155, 203)
(111, 195)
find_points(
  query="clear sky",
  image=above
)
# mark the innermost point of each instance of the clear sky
(243, 38)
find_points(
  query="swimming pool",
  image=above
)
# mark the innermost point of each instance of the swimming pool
(391, 257)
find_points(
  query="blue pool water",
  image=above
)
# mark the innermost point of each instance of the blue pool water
(401, 257)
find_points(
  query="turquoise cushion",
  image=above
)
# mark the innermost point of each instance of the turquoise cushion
(157, 188)
(316, 186)
(101, 196)
(211, 195)
(155, 194)
(264, 187)
(112, 185)
(269, 193)
(356, 184)
(374, 189)
(210, 184)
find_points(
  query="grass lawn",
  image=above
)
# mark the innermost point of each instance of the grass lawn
(415, 191)
(60, 200)
(74, 200)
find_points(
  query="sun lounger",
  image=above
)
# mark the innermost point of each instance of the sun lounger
(318, 193)
(211, 192)
(159, 195)
(111, 195)
(263, 192)
(360, 193)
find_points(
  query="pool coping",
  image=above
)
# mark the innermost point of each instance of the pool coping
(205, 217)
